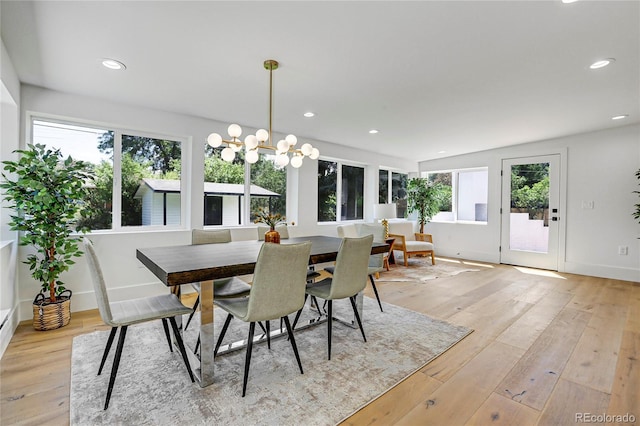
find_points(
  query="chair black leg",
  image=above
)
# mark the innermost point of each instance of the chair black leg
(293, 342)
(112, 334)
(295, 320)
(268, 324)
(183, 351)
(195, 306)
(329, 321)
(116, 364)
(166, 333)
(375, 290)
(247, 362)
(222, 333)
(355, 312)
(315, 302)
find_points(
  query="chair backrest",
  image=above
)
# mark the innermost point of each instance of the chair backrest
(405, 227)
(210, 236)
(97, 279)
(279, 281)
(349, 231)
(375, 260)
(282, 229)
(351, 270)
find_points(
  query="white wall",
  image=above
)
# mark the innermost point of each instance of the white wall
(126, 277)
(597, 166)
(9, 135)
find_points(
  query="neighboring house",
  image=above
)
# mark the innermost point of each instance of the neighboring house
(223, 202)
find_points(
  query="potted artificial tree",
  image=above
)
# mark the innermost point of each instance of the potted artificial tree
(425, 198)
(47, 196)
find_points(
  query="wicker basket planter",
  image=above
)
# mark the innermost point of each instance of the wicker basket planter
(48, 315)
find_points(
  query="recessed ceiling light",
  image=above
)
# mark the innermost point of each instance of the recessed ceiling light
(112, 64)
(601, 63)
(309, 114)
(373, 131)
(620, 117)
(442, 152)
(569, 1)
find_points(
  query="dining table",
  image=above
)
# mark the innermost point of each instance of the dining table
(185, 264)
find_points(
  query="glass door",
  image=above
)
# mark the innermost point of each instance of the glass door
(530, 211)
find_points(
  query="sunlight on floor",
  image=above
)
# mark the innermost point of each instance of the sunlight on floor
(463, 262)
(541, 272)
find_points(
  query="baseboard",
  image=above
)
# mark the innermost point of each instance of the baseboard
(8, 328)
(87, 300)
(603, 271)
(478, 256)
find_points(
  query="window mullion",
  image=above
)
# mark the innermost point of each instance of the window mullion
(116, 211)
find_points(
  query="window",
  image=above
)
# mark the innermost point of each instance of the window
(137, 177)
(268, 186)
(465, 194)
(342, 182)
(224, 202)
(397, 193)
(223, 188)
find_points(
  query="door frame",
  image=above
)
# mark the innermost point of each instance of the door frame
(562, 197)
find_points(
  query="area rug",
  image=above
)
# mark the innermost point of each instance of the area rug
(420, 269)
(153, 388)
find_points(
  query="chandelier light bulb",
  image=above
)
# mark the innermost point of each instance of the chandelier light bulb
(314, 154)
(214, 140)
(251, 157)
(262, 135)
(234, 131)
(250, 142)
(282, 160)
(296, 161)
(291, 139)
(227, 154)
(306, 149)
(283, 145)
(236, 148)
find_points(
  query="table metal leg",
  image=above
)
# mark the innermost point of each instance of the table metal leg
(207, 342)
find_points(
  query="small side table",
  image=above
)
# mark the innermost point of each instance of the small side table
(390, 259)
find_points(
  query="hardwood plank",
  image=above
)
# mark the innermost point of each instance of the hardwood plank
(395, 403)
(532, 380)
(456, 400)
(594, 361)
(625, 392)
(526, 329)
(487, 326)
(572, 403)
(498, 410)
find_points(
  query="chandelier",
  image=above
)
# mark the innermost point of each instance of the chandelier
(285, 151)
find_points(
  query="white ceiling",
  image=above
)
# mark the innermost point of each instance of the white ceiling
(431, 76)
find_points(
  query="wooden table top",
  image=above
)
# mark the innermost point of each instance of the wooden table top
(175, 265)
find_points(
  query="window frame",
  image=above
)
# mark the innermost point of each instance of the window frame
(116, 200)
(390, 172)
(455, 193)
(339, 165)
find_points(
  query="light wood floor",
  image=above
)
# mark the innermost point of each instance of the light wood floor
(546, 348)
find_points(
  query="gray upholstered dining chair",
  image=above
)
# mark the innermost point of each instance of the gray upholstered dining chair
(376, 261)
(128, 312)
(283, 230)
(278, 290)
(222, 288)
(348, 279)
